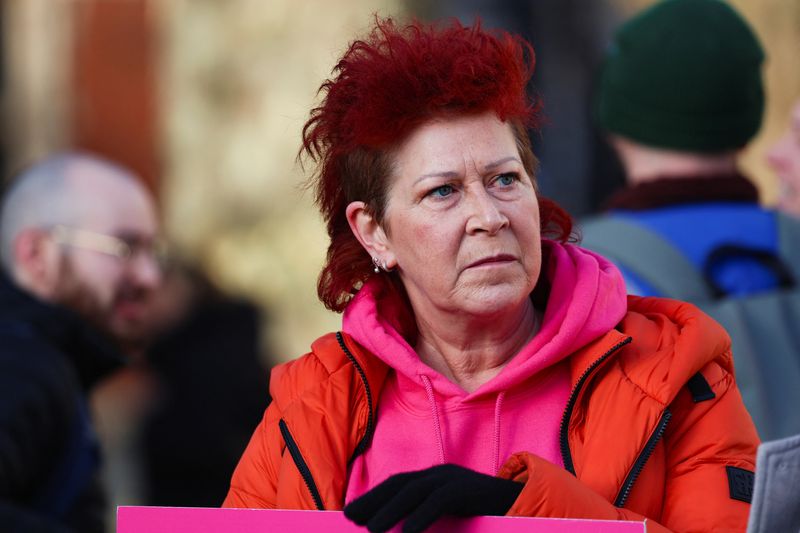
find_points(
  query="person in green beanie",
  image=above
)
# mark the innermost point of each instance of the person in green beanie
(684, 76)
(680, 95)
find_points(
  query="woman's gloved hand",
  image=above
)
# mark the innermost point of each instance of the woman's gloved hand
(422, 497)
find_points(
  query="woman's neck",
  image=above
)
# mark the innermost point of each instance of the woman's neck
(471, 351)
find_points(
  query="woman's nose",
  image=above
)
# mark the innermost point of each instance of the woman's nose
(485, 213)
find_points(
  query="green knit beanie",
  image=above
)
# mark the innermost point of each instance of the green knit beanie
(684, 75)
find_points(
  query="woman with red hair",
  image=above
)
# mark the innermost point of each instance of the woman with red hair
(485, 365)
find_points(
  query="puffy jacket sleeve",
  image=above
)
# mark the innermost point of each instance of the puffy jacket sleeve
(552, 492)
(703, 439)
(706, 439)
(255, 481)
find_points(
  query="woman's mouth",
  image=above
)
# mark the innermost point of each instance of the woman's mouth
(494, 260)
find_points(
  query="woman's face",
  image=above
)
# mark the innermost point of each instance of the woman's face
(462, 220)
(784, 158)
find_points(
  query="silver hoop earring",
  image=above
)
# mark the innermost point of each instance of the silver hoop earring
(377, 263)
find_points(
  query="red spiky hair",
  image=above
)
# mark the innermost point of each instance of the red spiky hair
(385, 86)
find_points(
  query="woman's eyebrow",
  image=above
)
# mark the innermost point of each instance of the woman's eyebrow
(495, 164)
(449, 174)
(452, 174)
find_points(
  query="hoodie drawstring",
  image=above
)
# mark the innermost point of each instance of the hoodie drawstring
(435, 410)
(497, 405)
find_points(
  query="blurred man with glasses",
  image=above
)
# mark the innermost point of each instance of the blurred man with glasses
(80, 256)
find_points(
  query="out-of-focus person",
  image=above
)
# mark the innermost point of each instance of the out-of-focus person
(784, 158)
(680, 95)
(77, 243)
(210, 388)
(485, 365)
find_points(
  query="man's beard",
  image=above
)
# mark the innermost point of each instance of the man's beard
(78, 296)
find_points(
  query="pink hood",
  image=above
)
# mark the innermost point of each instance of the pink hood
(587, 298)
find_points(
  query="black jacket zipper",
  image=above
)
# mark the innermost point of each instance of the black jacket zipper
(566, 455)
(364, 442)
(301, 464)
(625, 491)
(294, 450)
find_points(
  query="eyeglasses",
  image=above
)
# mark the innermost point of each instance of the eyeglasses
(123, 249)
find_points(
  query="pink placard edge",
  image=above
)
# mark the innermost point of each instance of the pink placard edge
(135, 519)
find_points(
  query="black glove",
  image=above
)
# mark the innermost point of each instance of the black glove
(424, 496)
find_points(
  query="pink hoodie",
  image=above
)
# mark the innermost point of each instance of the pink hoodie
(423, 419)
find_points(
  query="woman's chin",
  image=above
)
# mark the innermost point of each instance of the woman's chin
(494, 300)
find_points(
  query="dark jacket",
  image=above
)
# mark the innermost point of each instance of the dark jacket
(213, 392)
(49, 460)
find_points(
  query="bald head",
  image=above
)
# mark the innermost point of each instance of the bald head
(81, 232)
(61, 190)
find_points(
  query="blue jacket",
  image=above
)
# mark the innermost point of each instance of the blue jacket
(693, 239)
(699, 229)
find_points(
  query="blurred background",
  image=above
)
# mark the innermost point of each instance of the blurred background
(206, 99)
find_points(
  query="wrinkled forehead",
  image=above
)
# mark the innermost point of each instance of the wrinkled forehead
(442, 143)
(106, 200)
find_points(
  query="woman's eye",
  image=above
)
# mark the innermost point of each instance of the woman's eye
(507, 179)
(442, 191)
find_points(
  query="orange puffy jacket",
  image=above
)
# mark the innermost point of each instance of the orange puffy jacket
(654, 428)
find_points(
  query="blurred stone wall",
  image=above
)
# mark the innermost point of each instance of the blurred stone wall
(238, 79)
(35, 80)
(777, 23)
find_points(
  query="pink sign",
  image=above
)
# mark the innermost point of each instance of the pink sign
(203, 520)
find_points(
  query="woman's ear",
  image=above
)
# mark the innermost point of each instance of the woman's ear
(368, 232)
